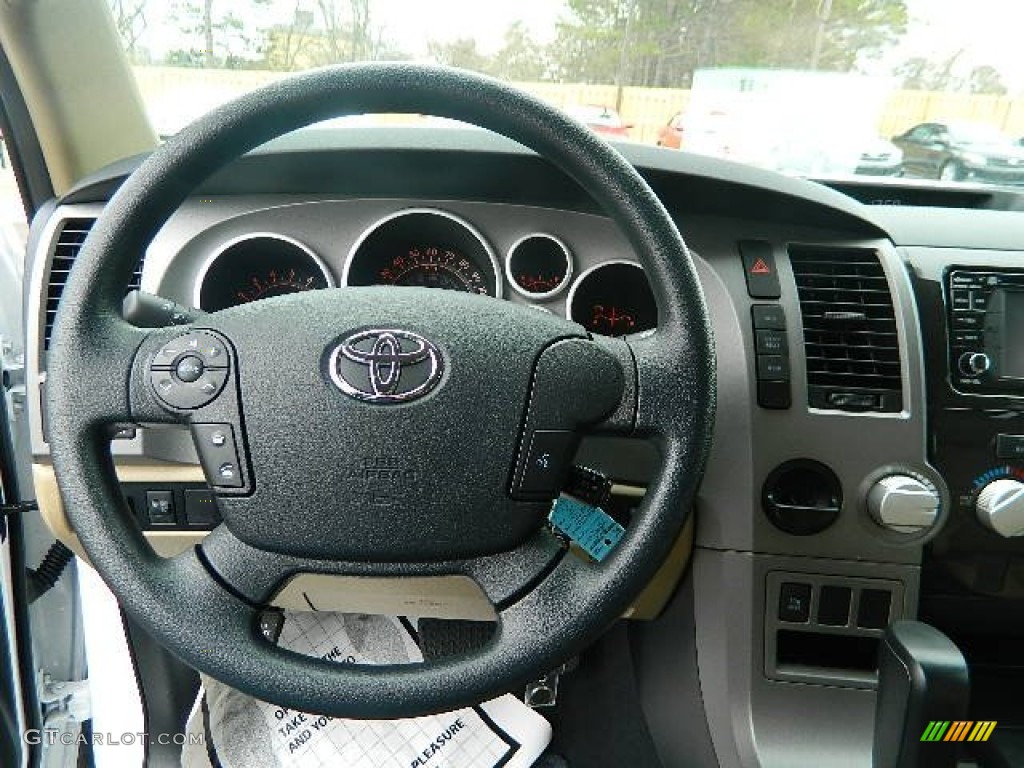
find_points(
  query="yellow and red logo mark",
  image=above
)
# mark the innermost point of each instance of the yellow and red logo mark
(958, 730)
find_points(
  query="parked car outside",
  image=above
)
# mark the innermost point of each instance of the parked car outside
(670, 135)
(880, 157)
(600, 119)
(957, 151)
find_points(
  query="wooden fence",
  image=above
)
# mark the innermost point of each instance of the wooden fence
(177, 95)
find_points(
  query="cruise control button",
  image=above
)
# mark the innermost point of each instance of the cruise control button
(189, 368)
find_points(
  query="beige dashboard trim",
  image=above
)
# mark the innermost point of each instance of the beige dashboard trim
(436, 597)
(164, 543)
(82, 123)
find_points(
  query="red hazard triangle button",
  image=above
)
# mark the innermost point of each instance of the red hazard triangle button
(759, 269)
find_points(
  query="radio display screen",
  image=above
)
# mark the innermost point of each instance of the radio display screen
(1004, 332)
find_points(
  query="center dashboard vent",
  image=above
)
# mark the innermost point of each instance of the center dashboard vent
(850, 337)
(69, 242)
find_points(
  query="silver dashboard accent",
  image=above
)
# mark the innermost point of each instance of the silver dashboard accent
(904, 503)
(197, 288)
(491, 255)
(546, 294)
(1000, 507)
(385, 357)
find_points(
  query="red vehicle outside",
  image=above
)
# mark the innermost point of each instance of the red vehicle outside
(601, 119)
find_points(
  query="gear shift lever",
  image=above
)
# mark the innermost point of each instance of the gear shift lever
(922, 676)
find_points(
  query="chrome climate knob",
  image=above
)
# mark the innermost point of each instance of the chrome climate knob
(1000, 507)
(975, 363)
(904, 503)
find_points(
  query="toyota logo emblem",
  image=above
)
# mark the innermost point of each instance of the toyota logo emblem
(385, 366)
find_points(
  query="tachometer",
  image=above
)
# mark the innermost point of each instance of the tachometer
(426, 248)
(613, 299)
(259, 266)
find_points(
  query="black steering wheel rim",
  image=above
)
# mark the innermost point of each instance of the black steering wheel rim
(190, 602)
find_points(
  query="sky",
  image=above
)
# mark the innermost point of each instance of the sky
(987, 31)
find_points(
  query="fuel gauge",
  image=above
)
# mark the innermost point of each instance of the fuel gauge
(539, 266)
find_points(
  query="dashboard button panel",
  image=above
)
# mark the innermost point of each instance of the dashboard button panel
(772, 348)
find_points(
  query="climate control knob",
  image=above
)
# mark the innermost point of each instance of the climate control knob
(975, 363)
(904, 503)
(1000, 507)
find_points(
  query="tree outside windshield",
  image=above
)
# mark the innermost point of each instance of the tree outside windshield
(811, 87)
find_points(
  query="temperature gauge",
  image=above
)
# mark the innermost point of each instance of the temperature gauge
(539, 266)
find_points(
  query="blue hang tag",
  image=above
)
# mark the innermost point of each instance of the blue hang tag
(589, 527)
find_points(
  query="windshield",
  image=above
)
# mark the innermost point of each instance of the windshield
(813, 87)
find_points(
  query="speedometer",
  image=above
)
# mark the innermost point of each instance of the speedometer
(432, 266)
(426, 248)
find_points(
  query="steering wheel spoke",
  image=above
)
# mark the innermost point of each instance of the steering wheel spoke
(672, 374)
(255, 574)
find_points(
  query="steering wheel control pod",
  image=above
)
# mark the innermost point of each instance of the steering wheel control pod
(904, 503)
(189, 371)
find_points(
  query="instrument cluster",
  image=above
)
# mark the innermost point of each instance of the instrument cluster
(433, 248)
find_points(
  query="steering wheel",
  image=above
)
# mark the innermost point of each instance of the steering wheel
(449, 394)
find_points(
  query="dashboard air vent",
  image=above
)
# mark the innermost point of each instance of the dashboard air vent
(69, 242)
(850, 338)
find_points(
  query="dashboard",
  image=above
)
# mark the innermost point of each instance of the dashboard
(869, 385)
